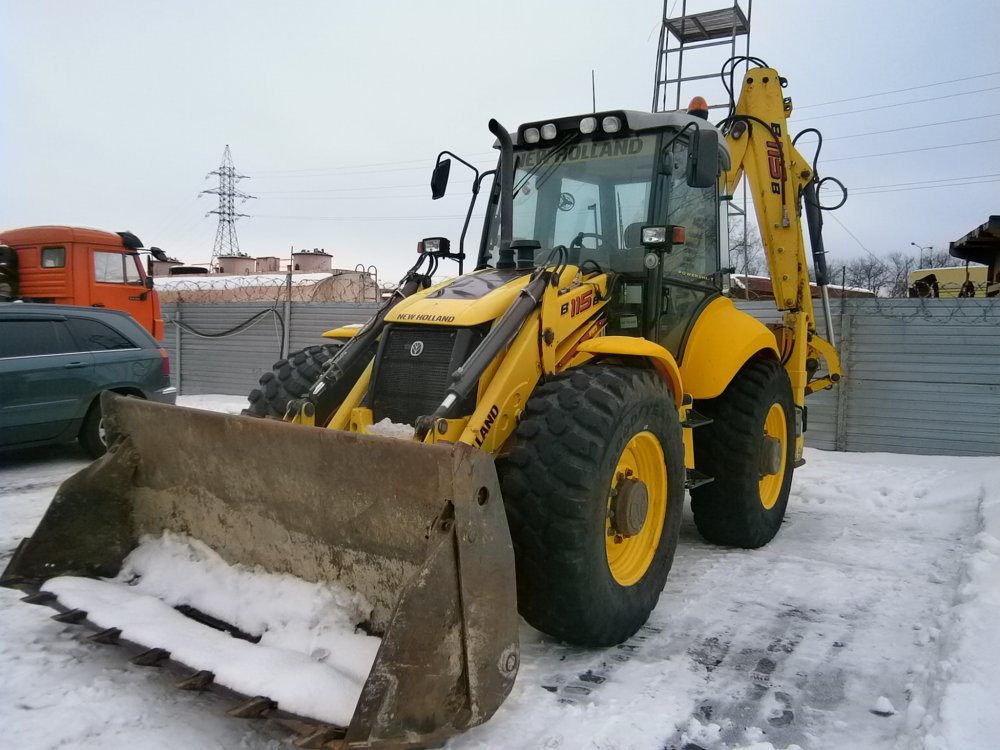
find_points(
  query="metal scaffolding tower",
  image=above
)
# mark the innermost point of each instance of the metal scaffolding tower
(679, 61)
(226, 242)
(683, 36)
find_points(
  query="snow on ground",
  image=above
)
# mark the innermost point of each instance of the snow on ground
(869, 622)
(309, 657)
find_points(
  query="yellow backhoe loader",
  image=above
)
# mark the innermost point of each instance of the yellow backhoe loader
(561, 398)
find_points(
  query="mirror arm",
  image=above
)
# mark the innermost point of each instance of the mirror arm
(472, 203)
(456, 158)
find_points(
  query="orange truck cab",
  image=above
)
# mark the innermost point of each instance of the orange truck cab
(77, 266)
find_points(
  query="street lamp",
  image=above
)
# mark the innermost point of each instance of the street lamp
(921, 249)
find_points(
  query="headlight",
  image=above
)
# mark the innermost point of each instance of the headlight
(531, 135)
(652, 236)
(588, 125)
(611, 124)
(549, 131)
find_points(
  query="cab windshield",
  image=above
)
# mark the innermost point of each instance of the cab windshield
(594, 197)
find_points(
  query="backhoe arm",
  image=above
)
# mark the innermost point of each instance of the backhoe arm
(777, 174)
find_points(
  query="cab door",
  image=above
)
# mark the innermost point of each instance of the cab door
(118, 283)
(691, 270)
(45, 383)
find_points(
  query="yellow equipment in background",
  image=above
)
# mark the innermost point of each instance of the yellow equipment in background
(562, 396)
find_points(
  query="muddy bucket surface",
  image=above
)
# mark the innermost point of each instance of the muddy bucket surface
(418, 530)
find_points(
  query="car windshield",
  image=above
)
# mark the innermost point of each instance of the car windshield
(595, 195)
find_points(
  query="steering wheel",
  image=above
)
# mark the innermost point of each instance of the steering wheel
(578, 240)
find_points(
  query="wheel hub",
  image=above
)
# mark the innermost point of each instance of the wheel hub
(771, 455)
(629, 507)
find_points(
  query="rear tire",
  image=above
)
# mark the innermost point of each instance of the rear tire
(289, 379)
(743, 507)
(576, 580)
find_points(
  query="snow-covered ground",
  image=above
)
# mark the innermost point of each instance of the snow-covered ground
(872, 621)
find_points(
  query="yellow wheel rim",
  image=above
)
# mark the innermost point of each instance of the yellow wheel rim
(776, 426)
(629, 557)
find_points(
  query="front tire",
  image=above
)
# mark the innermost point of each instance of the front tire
(745, 504)
(289, 379)
(594, 488)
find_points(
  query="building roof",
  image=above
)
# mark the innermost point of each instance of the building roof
(760, 287)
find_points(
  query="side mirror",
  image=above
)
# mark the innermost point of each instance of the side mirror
(439, 180)
(158, 254)
(148, 283)
(703, 158)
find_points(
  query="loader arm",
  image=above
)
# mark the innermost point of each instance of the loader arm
(777, 176)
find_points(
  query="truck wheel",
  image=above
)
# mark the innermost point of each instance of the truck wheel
(749, 450)
(594, 488)
(289, 379)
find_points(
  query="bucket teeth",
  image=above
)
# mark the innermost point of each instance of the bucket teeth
(151, 658)
(109, 637)
(252, 708)
(70, 616)
(319, 737)
(197, 681)
(40, 597)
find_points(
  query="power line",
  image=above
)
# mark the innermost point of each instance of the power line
(917, 182)
(926, 187)
(319, 171)
(909, 127)
(355, 189)
(366, 218)
(861, 244)
(897, 91)
(408, 196)
(913, 150)
(901, 104)
(346, 166)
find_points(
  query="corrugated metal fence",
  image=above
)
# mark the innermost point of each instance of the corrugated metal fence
(921, 376)
(225, 348)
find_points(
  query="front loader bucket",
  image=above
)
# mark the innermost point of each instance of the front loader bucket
(419, 530)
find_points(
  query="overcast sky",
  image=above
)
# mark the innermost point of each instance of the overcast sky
(114, 112)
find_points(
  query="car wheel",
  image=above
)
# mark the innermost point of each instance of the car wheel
(92, 436)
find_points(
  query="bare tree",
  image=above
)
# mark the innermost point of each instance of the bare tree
(746, 250)
(869, 272)
(900, 264)
(940, 259)
(836, 273)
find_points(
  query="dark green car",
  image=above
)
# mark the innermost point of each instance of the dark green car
(54, 362)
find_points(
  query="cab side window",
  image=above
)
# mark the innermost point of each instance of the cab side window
(93, 336)
(108, 268)
(31, 338)
(695, 209)
(53, 257)
(132, 274)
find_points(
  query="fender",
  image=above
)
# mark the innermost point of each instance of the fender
(722, 340)
(343, 332)
(631, 346)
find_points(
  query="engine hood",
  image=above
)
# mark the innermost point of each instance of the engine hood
(467, 300)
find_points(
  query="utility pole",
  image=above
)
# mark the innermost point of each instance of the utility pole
(226, 242)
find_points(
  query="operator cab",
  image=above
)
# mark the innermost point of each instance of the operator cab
(593, 182)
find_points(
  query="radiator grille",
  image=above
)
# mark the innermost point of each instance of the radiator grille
(409, 385)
